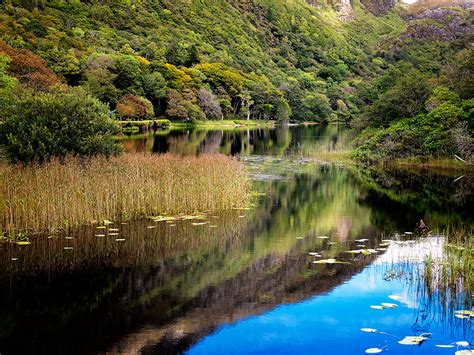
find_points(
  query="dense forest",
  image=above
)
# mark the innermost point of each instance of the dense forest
(401, 78)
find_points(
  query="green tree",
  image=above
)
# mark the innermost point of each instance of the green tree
(38, 126)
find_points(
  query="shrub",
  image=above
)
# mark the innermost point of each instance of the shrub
(35, 127)
(133, 107)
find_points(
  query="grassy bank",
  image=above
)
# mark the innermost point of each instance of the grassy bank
(57, 195)
(139, 126)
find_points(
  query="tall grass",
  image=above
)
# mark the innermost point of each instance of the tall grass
(61, 194)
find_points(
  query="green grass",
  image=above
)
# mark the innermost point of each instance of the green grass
(134, 126)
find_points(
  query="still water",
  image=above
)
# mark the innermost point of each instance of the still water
(251, 281)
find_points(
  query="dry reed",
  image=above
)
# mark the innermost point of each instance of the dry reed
(60, 194)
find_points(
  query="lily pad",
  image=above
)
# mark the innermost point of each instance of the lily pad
(329, 261)
(377, 307)
(412, 340)
(373, 351)
(465, 312)
(368, 330)
(395, 297)
(389, 305)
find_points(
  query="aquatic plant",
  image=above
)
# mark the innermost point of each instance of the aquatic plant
(76, 191)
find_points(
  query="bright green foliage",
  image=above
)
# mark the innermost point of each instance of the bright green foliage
(37, 126)
(261, 58)
(6, 81)
(443, 131)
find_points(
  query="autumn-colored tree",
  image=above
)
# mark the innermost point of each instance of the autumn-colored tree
(135, 107)
(30, 70)
(176, 108)
(209, 103)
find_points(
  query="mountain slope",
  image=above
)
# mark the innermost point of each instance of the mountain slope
(312, 57)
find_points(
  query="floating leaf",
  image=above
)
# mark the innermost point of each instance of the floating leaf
(377, 307)
(445, 346)
(395, 297)
(412, 340)
(101, 227)
(465, 312)
(113, 229)
(23, 243)
(164, 219)
(100, 235)
(368, 330)
(373, 351)
(389, 305)
(151, 227)
(329, 261)
(199, 224)
(463, 343)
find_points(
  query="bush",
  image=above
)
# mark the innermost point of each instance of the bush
(133, 107)
(36, 127)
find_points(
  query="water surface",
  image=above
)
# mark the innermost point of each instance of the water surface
(245, 282)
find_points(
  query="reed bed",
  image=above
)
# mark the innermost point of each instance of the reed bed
(60, 194)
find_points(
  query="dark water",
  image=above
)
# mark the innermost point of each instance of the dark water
(245, 282)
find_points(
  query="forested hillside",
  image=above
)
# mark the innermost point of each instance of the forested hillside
(195, 59)
(370, 63)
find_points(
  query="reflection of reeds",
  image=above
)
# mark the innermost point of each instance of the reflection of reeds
(444, 284)
(141, 246)
(56, 195)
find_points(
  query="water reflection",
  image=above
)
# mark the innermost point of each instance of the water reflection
(244, 278)
(243, 141)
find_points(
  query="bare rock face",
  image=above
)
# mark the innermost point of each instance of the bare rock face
(443, 24)
(378, 7)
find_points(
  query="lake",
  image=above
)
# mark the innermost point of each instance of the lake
(326, 251)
